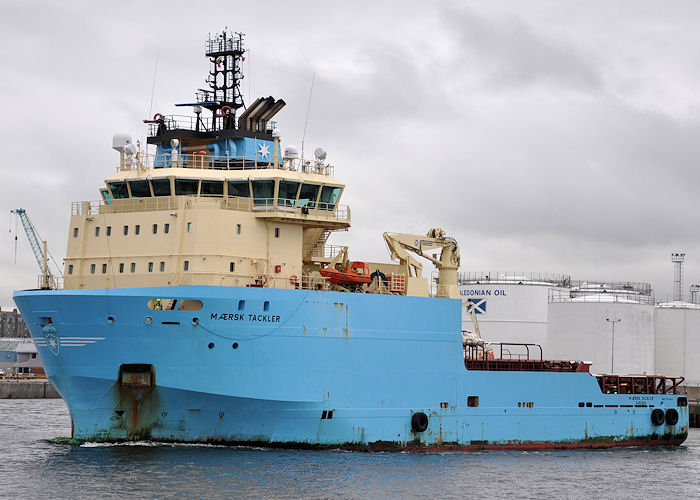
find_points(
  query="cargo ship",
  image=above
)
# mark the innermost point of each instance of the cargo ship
(202, 302)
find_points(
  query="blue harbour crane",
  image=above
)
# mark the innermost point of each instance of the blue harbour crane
(39, 248)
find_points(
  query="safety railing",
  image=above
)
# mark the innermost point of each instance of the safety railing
(54, 282)
(558, 296)
(517, 278)
(639, 384)
(254, 280)
(205, 160)
(501, 356)
(331, 212)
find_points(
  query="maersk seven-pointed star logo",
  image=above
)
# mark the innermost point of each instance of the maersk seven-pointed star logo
(52, 340)
(264, 151)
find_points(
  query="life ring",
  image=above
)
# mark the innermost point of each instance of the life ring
(419, 422)
(294, 279)
(657, 416)
(381, 276)
(671, 416)
(157, 117)
(226, 110)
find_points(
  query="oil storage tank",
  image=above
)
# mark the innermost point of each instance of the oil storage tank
(509, 306)
(678, 340)
(608, 324)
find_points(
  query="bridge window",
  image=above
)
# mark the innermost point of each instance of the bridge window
(155, 228)
(308, 195)
(92, 268)
(109, 230)
(133, 267)
(118, 190)
(263, 192)
(231, 267)
(186, 267)
(166, 229)
(140, 189)
(121, 267)
(162, 266)
(329, 197)
(150, 267)
(212, 188)
(238, 229)
(161, 187)
(104, 268)
(106, 196)
(97, 231)
(287, 193)
(240, 189)
(186, 186)
(126, 230)
(70, 268)
(137, 229)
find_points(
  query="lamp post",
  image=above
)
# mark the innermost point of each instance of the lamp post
(612, 347)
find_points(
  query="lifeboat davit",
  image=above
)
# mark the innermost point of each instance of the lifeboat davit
(356, 273)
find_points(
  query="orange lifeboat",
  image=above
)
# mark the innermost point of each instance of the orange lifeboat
(356, 273)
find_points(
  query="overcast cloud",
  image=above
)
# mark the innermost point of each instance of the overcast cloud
(545, 136)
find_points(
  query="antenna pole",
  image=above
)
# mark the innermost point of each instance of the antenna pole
(308, 108)
(153, 88)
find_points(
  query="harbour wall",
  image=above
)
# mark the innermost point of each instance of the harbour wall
(693, 394)
(27, 389)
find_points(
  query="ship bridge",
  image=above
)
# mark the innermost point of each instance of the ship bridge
(217, 203)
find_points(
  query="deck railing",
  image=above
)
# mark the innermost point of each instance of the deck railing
(332, 212)
(204, 160)
(516, 278)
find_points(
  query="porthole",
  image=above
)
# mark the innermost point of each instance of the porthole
(110, 319)
(211, 345)
(235, 345)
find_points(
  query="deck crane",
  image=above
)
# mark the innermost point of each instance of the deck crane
(447, 264)
(39, 248)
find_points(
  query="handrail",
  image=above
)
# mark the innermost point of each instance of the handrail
(325, 211)
(207, 161)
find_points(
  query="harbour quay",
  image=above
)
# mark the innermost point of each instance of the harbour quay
(693, 394)
(27, 388)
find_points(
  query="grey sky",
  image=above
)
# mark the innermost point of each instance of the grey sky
(546, 136)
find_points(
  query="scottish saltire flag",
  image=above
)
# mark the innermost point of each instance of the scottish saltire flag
(479, 306)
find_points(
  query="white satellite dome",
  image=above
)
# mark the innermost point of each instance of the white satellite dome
(291, 152)
(120, 140)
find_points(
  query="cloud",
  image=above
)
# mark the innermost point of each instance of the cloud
(549, 137)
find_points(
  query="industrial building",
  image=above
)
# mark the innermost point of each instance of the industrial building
(618, 327)
(12, 325)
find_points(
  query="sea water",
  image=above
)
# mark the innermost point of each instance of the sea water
(32, 465)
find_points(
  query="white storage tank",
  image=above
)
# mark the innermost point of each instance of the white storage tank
(678, 341)
(613, 328)
(510, 307)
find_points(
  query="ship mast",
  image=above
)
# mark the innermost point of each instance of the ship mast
(225, 53)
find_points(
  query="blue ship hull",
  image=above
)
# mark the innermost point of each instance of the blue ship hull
(310, 369)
